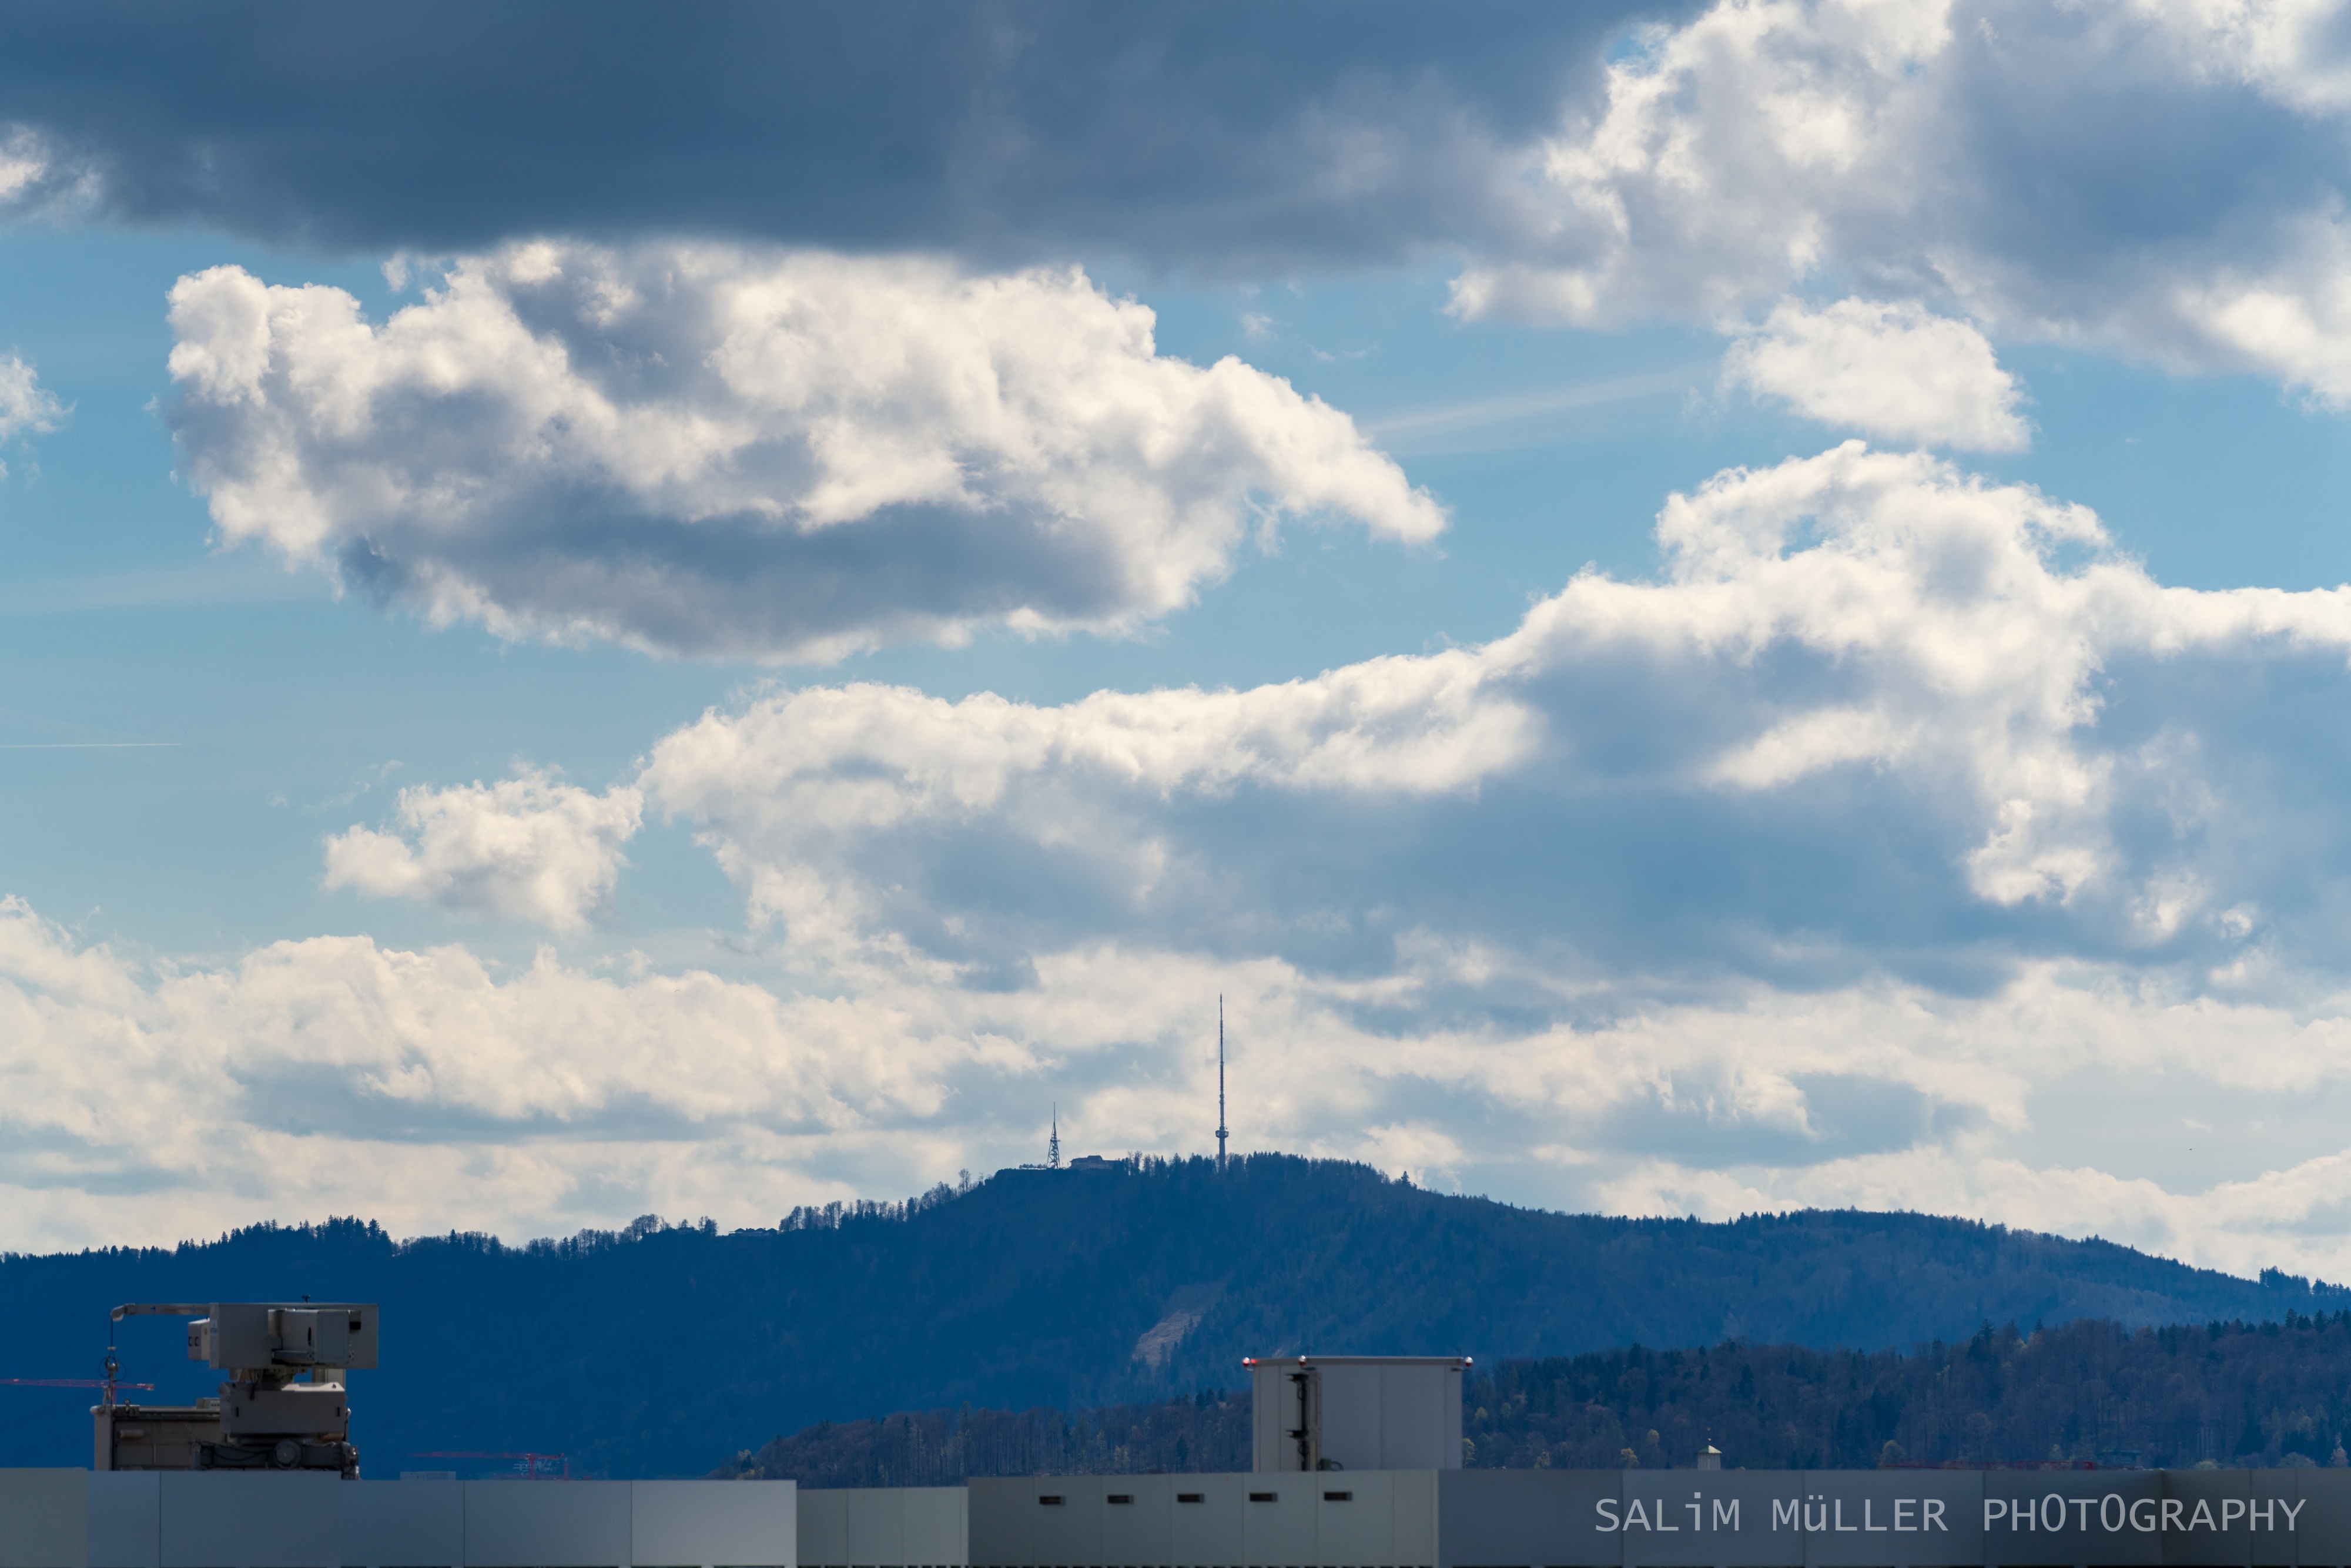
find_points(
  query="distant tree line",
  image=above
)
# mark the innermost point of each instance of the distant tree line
(2232, 1394)
(834, 1216)
(1209, 1431)
(2235, 1394)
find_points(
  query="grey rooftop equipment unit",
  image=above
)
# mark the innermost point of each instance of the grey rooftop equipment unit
(284, 1407)
(1355, 1412)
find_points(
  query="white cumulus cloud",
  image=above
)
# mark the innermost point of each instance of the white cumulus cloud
(798, 788)
(711, 450)
(1729, 158)
(1896, 701)
(1893, 371)
(2288, 50)
(527, 848)
(26, 406)
(2070, 172)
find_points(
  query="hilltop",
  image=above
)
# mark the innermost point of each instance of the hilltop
(661, 1350)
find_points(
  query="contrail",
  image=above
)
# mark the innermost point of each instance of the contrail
(83, 745)
(1525, 405)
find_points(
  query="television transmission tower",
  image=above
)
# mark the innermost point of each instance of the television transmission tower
(1220, 1082)
(1053, 1144)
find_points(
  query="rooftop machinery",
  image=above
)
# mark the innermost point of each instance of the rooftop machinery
(284, 1407)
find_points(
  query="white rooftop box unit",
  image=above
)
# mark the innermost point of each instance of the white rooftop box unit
(1356, 1412)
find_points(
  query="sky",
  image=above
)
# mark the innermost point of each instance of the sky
(1698, 609)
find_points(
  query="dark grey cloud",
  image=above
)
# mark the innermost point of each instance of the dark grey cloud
(1313, 130)
(2147, 177)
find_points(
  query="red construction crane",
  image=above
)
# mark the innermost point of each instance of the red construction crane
(529, 1465)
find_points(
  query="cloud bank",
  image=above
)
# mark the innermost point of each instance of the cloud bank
(1900, 843)
(431, 1090)
(1012, 134)
(1931, 723)
(425, 1086)
(709, 451)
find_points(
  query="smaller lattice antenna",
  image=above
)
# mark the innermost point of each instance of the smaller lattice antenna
(1053, 1144)
(1220, 1081)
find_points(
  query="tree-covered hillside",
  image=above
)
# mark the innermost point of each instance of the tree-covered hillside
(662, 1349)
(1209, 1431)
(2232, 1393)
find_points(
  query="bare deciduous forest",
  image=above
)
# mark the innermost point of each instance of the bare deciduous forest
(2232, 1394)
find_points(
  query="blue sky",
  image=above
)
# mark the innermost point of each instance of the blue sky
(1687, 610)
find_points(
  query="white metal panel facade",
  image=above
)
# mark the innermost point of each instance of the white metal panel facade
(999, 1511)
(1359, 1413)
(403, 1524)
(711, 1524)
(1138, 1521)
(259, 1521)
(126, 1524)
(938, 1532)
(1418, 1515)
(1355, 1411)
(44, 1519)
(1330, 1519)
(1356, 1520)
(1278, 1521)
(1526, 1519)
(1207, 1518)
(135, 1519)
(823, 1530)
(1273, 1415)
(1420, 1418)
(1366, 1518)
(547, 1524)
(876, 1527)
(1066, 1525)
(884, 1527)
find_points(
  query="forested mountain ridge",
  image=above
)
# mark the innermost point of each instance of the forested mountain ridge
(2234, 1393)
(659, 1350)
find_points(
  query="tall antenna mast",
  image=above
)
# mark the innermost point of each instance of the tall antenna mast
(1053, 1144)
(1220, 1081)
